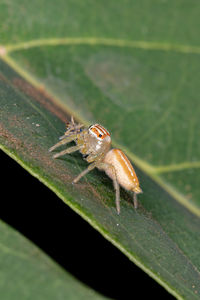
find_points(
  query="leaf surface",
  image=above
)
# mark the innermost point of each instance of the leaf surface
(27, 273)
(138, 80)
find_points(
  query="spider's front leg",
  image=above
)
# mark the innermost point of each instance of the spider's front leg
(65, 140)
(67, 151)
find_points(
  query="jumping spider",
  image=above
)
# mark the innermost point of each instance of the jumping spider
(94, 143)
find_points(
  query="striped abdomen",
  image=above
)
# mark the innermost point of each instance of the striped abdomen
(125, 173)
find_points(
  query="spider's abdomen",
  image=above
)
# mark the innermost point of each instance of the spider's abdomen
(125, 173)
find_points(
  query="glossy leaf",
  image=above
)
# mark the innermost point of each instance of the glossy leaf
(27, 273)
(140, 80)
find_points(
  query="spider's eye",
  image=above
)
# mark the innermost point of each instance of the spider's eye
(100, 135)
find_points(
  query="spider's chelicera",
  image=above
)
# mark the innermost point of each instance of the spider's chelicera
(94, 144)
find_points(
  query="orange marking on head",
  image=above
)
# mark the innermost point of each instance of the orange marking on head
(99, 131)
(101, 128)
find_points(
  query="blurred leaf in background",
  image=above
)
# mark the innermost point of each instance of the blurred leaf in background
(132, 66)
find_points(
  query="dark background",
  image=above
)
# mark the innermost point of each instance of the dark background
(83, 252)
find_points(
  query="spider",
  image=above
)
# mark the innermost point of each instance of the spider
(94, 143)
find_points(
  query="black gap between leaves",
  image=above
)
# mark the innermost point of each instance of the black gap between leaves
(68, 239)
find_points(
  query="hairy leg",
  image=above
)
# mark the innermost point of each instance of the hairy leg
(135, 200)
(109, 167)
(89, 168)
(64, 141)
(67, 151)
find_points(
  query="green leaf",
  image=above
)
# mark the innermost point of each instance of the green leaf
(124, 65)
(27, 272)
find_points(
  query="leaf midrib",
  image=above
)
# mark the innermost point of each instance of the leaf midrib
(152, 171)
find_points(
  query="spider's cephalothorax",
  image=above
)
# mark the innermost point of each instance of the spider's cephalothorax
(94, 143)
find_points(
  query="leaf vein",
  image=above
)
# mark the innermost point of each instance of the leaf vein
(92, 41)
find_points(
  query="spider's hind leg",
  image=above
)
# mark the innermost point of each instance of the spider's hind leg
(111, 172)
(135, 202)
